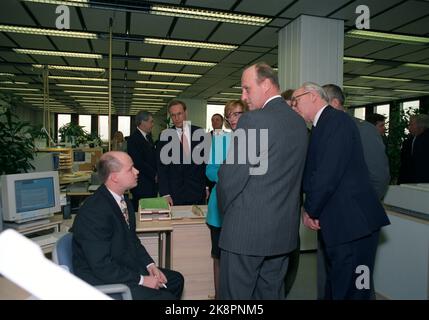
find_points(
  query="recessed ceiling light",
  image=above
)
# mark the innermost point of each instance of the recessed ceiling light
(86, 92)
(13, 82)
(354, 59)
(153, 95)
(172, 74)
(179, 62)
(3, 74)
(416, 65)
(59, 53)
(191, 44)
(159, 90)
(68, 68)
(76, 78)
(389, 37)
(231, 93)
(411, 91)
(179, 84)
(385, 78)
(80, 86)
(48, 32)
(19, 89)
(358, 87)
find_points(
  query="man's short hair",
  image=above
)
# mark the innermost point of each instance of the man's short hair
(311, 86)
(287, 94)
(142, 116)
(374, 118)
(108, 164)
(334, 92)
(422, 120)
(217, 115)
(264, 71)
(174, 102)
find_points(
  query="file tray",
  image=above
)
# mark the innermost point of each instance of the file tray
(154, 209)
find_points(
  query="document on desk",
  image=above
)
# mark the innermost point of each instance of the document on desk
(25, 265)
(193, 212)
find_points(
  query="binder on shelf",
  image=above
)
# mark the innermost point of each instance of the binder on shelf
(154, 209)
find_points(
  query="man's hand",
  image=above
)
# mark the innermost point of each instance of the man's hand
(310, 223)
(158, 274)
(152, 282)
(169, 200)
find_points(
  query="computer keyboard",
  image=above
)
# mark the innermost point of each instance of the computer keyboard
(48, 239)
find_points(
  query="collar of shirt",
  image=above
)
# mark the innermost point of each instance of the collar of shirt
(142, 132)
(317, 116)
(273, 97)
(187, 128)
(116, 196)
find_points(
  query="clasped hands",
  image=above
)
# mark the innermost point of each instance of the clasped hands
(156, 278)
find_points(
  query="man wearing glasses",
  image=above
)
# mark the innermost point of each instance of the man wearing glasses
(340, 201)
(261, 212)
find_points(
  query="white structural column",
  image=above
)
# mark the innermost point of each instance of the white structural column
(311, 49)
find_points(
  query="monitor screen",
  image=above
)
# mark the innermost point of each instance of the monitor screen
(30, 196)
(78, 156)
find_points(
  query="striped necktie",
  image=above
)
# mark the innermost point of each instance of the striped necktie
(124, 209)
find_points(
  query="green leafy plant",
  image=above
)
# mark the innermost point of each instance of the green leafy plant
(397, 135)
(94, 138)
(73, 133)
(16, 140)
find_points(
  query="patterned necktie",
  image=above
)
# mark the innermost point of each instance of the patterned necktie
(185, 143)
(124, 210)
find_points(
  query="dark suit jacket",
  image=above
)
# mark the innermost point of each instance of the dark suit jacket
(144, 158)
(105, 250)
(336, 181)
(185, 183)
(415, 166)
(261, 212)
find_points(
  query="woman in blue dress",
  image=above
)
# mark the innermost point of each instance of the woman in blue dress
(220, 143)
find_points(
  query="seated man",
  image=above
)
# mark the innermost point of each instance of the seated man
(106, 248)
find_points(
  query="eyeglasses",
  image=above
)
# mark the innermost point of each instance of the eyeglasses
(294, 100)
(233, 115)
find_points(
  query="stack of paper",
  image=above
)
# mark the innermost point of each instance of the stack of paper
(154, 209)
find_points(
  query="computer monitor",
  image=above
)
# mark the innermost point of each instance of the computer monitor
(30, 196)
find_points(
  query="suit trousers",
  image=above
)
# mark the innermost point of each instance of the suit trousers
(343, 275)
(244, 277)
(173, 292)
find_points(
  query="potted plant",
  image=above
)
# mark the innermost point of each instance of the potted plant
(93, 139)
(16, 140)
(73, 134)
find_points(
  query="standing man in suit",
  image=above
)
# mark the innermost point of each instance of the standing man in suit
(339, 198)
(261, 209)
(182, 183)
(141, 149)
(106, 248)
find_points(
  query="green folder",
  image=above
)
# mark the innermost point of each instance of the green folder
(154, 205)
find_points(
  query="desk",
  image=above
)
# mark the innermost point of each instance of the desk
(80, 176)
(11, 291)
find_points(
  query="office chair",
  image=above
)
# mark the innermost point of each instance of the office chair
(62, 255)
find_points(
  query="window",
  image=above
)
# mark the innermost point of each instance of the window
(124, 125)
(411, 106)
(63, 119)
(103, 127)
(85, 122)
(384, 110)
(359, 113)
(211, 110)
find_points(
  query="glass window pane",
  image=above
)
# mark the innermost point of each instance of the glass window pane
(384, 110)
(103, 127)
(63, 119)
(211, 110)
(124, 125)
(411, 106)
(85, 122)
(359, 113)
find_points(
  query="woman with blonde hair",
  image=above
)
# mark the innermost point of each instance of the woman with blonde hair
(232, 112)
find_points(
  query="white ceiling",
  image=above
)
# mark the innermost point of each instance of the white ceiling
(254, 44)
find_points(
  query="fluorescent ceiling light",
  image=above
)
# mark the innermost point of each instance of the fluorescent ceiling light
(19, 89)
(76, 78)
(172, 74)
(80, 86)
(159, 90)
(59, 53)
(354, 59)
(13, 82)
(358, 87)
(191, 44)
(6, 74)
(219, 98)
(203, 14)
(68, 68)
(146, 99)
(179, 62)
(75, 3)
(231, 93)
(385, 78)
(378, 97)
(416, 65)
(389, 37)
(153, 95)
(86, 92)
(85, 97)
(48, 32)
(411, 91)
(135, 102)
(179, 84)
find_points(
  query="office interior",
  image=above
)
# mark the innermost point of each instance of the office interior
(97, 63)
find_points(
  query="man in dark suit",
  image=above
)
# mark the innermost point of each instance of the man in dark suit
(141, 149)
(415, 152)
(260, 197)
(106, 248)
(339, 198)
(182, 180)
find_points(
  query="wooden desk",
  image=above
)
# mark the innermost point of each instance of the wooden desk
(10, 291)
